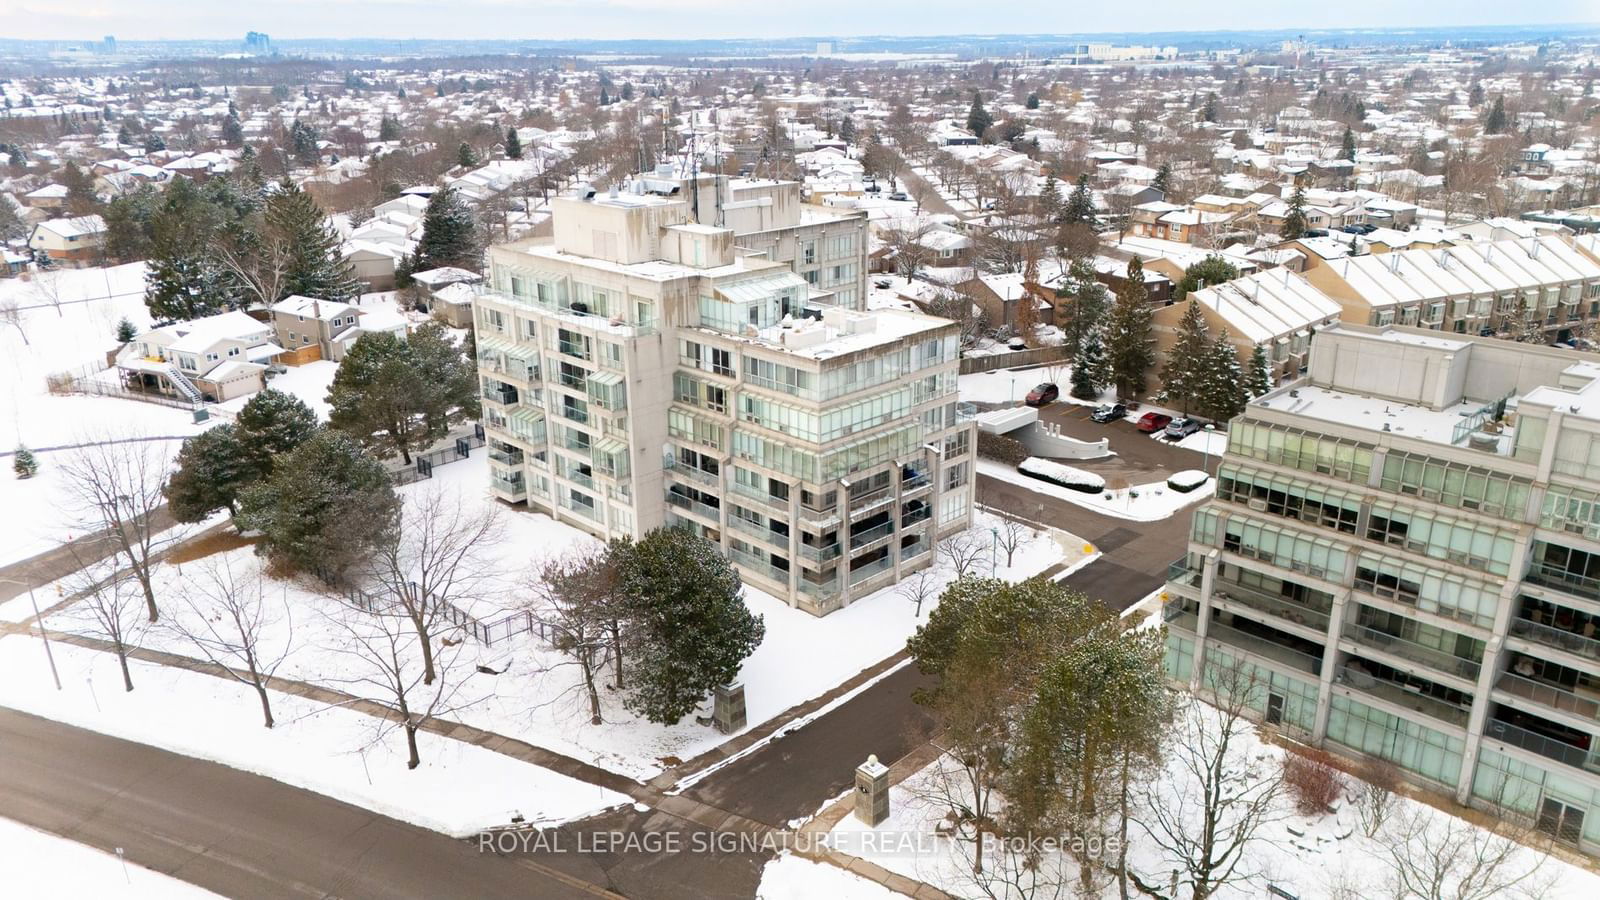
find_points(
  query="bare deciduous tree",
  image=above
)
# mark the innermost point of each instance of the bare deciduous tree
(439, 556)
(47, 287)
(11, 315)
(113, 487)
(112, 610)
(1217, 798)
(574, 598)
(1373, 795)
(1011, 535)
(233, 623)
(963, 551)
(1433, 856)
(919, 587)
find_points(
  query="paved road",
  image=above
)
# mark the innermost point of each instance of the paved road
(63, 560)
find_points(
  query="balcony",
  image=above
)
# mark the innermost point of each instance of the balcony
(1401, 694)
(877, 533)
(1563, 580)
(760, 565)
(697, 475)
(915, 483)
(683, 501)
(575, 349)
(760, 532)
(582, 509)
(577, 476)
(1557, 638)
(1576, 756)
(503, 394)
(575, 414)
(1574, 704)
(820, 554)
(1183, 573)
(820, 591)
(1275, 605)
(921, 514)
(576, 382)
(510, 487)
(915, 549)
(1422, 655)
(506, 456)
(869, 501)
(759, 495)
(1263, 647)
(862, 573)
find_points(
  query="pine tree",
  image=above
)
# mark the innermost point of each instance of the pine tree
(1259, 380)
(1294, 221)
(1050, 198)
(449, 234)
(1033, 101)
(325, 507)
(388, 129)
(315, 266)
(1080, 205)
(466, 158)
(978, 118)
(1184, 375)
(183, 281)
(1084, 312)
(1496, 121)
(81, 198)
(1347, 146)
(232, 131)
(303, 144)
(210, 474)
(1163, 179)
(1208, 113)
(269, 426)
(513, 144)
(1223, 395)
(1475, 96)
(689, 629)
(1089, 371)
(1129, 349)
(396, 394)
(125, 331)
(23, 463)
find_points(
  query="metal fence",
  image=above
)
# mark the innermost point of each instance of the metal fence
(422, 465)
(87, 380)
(485, 633)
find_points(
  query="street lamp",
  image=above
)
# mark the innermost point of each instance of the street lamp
(43, 635)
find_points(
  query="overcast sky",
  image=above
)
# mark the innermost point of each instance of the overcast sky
(534, 19)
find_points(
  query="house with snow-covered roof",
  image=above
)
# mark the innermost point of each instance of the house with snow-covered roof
(1275, 309)
(205, 360)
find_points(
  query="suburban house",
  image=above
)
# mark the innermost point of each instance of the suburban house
(209, 360)
(373, 263)
(999, 295)
(313, 329)
(447, 293)
(1113, 273)
(76, 240)
(1276, 309)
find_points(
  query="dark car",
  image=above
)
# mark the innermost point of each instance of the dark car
(1109, 413)
(1153, 422)
(1316, 232)
(1043, 394)
(1178, 429)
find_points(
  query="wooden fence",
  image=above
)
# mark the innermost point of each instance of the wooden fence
(1038, 356)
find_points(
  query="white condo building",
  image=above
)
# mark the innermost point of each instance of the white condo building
(641, 369)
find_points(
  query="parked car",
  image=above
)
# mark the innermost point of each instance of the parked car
(1152, 422)
(883, 284)
(1043, 394)
(1109, 413)
(1017, 343)
(1178, 429)
(1316, 232)
(899, 195)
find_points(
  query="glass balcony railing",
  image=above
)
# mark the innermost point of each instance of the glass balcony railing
(877, 533)
(508, 456)
(758, 531)
(1560, 639)
(1260, 646)
(1402, 694)
(862, 573)
(695, 506)
(760, 495)
(1563, 580)
(759, 564)
(1277, 606)
(1182, 573)
(1430, 657)
(1548, 747)
(511, 487)
(1572, 703)
(820, 554)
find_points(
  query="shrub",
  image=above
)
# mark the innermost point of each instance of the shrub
(1313, 782)
(1001, 448)
(1187, 480)
(1065, 476)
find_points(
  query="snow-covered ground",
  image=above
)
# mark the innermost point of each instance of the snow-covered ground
(1138, 503)
(41, 866)
(791, 877)
(1311, 857)
(458, 789)
(535, 697)
(308, 382)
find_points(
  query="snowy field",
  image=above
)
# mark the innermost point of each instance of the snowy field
(458, 789)
(41, 866)
(1324, 857)
(1138, 503)
(535, 698)
(791, 877)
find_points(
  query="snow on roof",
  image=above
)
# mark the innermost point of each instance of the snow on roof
(1476, 268)
(310, 307)
(1268, 305)
(75, 226)
(445, 275)
(198, 335)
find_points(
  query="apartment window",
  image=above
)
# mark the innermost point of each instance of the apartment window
(722, 361)
(644, 313)
(808, 252)
(1561, 821)
(955, 476)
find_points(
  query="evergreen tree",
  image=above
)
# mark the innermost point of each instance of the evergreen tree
(388, 129)
(1208, 113)
(303, 144)
(130, 224)
(627, 90)
(605, 98)
(1259, 380)
(232, 131)
(1163, 179)
(1033, 101)
(1089, 369)
(1080, 205)
(1475, 96)
(210, 474)
(1129, 349)
(978, 118)
(1224, 393)
(269, 426)
(154, 144)
(125, 331)
(23, 463)
(466, 158)
(1050, 198)
(688, 627)
(1347, 146)
(513, 144)
(325, 507)
(81, 198)
(396, 394)
(315, 266)
(1496, 121)
(449, 234)
(1214, 269)
(1184, 375)
(1294, 222)
(183, 281)
(1084, 311)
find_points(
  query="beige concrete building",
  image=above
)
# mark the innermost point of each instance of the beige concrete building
(641, 369)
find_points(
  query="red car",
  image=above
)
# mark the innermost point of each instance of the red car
(1043, 394)
(1153, 422)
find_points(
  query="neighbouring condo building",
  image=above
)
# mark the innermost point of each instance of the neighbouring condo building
(1404, 554)
(641, 368)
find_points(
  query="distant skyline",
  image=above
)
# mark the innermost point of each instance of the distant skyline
(688, 19)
